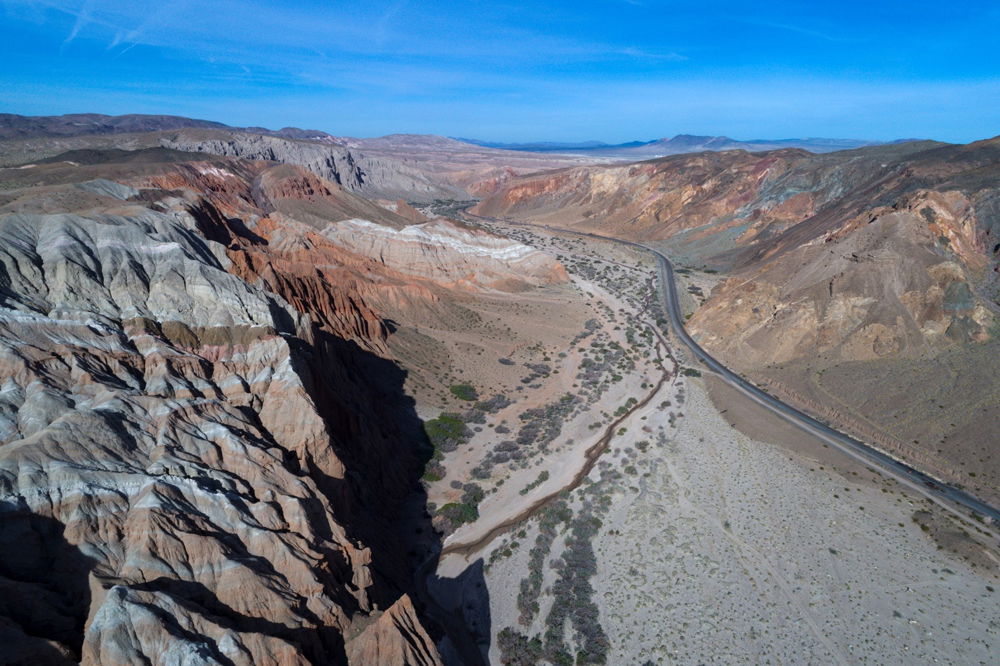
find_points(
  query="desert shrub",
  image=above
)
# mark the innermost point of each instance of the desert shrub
(433, 472)
(446, 432)
(473, 494)
(463, 392)
(516, 649)
(542, 478)
(474, 416)
(539, 368)
(494, 404)
(458, 512)
(691, 372)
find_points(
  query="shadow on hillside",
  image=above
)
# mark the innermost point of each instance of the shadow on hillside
(44, 590)
(378, 436)
(464, 601)
(382, 442)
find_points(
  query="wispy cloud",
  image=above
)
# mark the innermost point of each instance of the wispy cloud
(221, 30)
(382, 25)
(82, 18)
(643, 54)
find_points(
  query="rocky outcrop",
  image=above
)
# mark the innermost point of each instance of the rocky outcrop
(193, 467)
(396, 637)
(308, 198)
(449, 255)
(882, 290)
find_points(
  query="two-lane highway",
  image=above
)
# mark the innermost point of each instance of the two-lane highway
(856, 448)
(945, 495)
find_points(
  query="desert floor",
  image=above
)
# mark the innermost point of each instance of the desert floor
(708, 531)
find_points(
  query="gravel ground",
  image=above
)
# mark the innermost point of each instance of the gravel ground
(719, 548)
(733, 552)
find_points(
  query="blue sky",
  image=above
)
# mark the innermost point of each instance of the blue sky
(613, 70)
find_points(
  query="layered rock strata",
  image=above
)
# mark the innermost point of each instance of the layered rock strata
(193, 466)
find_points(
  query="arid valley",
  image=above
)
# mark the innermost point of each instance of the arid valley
(591, 333)
(312, 415)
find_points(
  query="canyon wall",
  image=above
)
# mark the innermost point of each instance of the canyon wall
(200, 457)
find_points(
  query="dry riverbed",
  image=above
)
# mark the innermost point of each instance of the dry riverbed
(692, 542)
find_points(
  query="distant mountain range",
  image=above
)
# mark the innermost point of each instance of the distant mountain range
(14, 126)
(682, 143)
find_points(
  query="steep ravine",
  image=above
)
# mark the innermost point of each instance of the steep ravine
(206, 450)
(191, 469)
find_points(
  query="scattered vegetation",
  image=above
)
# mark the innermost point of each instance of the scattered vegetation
(516, 649)
(445, 433)
(573, 599)
(540, 426)
(466, 510)
(531, 587)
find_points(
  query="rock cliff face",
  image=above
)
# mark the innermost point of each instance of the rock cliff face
(864, 253)
(195, 466)
(380, 177)
(203, 449)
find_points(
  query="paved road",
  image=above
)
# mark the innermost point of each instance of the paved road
(943, 494)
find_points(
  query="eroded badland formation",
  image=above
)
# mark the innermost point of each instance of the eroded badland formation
(284, 397)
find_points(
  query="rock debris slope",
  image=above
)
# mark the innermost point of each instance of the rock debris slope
(194, 467)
